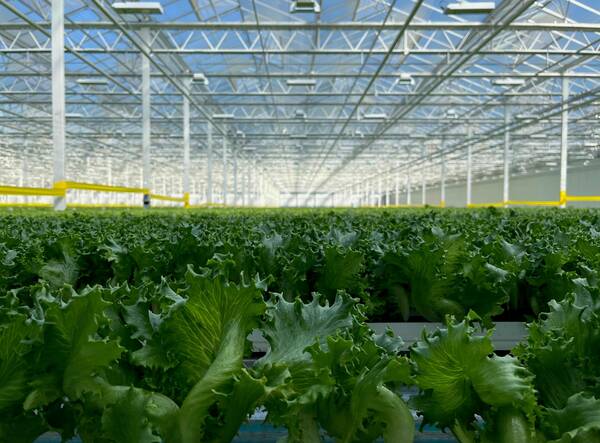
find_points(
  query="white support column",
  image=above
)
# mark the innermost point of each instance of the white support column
(469, 164)
(146, 168)
(109, 178)
(397, 181)
(251, 181)
(507, 157)
(58, 97)
(424, 179)
(25, 170)
(261, 190)
(209, 178)
(408, 186)
(564, 142)
(225, 190)
(186, 146)
(379, 189)
(235, 178)
(245, 178)
(443, 179)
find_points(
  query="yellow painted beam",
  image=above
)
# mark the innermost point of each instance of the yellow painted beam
(18, 190)
(100, 188)
(25, 205)
(101, 205)
(167, 198)
(583, 198)
(485, 205)
(532, 203)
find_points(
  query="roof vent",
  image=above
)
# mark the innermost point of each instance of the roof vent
(468, 7)
(138, 7)
(311, 6)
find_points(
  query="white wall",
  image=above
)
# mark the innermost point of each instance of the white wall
(581, 180)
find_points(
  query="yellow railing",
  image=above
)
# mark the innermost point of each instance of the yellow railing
(66, 185)
(19, 190)
(563, 200)
(485, 205)
(60, 190)
(209, 205)
(583, 198)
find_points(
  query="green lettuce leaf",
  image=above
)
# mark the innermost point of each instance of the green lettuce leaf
(204, 335)
(458, 378)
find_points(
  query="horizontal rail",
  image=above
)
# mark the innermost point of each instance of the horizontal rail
(99, 188)
(25, 205)
(61, 187)
(532, 203)
(101, 205)
(485, 205)
(583, 198)
(20, 190)
(168, 198)
(211, 205)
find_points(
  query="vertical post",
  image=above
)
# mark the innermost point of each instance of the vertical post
(397, 181)
(244, 184)
(225, 169)
(564, 142)
(443, 179)
(251, 181)
(248, 187)
(235, 178)
(109, 177)
(146, 168)
(379, 189)
(424, 179)
(507, 157)
(58, 98)
(186, 151)
(408, 188)
(24, 171)
(469, 164)
(209, 179)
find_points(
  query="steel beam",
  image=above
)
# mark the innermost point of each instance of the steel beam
(235, 177)
(564, 141)
(443, 178)
(209, 163)
(186, 145)
(58, 97)
(507, 155)
(313, 26)
(146, 164)
(225, 190)
(469, 164)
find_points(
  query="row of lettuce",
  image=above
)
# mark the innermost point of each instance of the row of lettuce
(401, 264)
(165, 362)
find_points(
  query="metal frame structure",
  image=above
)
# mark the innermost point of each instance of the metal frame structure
(352, 105)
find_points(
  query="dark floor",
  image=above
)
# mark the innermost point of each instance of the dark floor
(261, 433)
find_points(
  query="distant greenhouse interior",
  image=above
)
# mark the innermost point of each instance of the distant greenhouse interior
(299, 103)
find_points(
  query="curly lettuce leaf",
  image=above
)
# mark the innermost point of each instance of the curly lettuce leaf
(72, 353)
(458, 378)
(577, 422)
(204, 335)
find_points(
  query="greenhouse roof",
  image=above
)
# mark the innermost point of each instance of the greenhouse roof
(320, 101)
